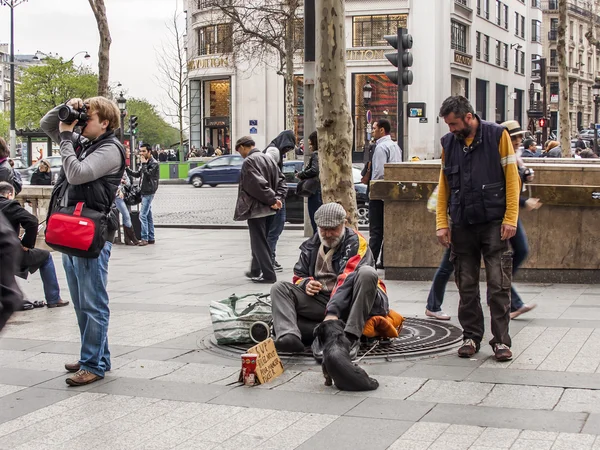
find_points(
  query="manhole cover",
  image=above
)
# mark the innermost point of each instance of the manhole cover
(418, 337)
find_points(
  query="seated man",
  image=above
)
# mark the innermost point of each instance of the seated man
(32, 258)
(335, 277)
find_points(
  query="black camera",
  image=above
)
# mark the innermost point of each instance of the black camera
(67, 114)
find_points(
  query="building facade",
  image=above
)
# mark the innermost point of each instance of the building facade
(583, 62)
(478, 48)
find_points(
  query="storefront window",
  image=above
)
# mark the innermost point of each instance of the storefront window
(460, 86)
(299, 106)
(217, 112)
(381, 105)
(368, 31)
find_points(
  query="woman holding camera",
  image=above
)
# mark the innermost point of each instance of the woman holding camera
(42, 175)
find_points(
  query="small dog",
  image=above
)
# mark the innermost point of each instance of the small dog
(336, 359)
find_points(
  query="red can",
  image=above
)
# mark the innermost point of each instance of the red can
(249, 368)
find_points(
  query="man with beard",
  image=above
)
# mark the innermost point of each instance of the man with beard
(479, 188)
(335, 278)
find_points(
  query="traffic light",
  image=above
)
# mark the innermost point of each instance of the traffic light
(538, 71)
(543, 122)
(133, 124)
(402, 59)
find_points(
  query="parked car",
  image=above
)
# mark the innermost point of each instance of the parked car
(55, 166)
(221, 170)
(294, 204)
(588, 134)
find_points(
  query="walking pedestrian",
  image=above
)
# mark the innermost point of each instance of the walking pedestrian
(479, 188)
(130, 237)
(283, 143)
(386, 151)
(311, 172)
(93, 164)
(149, 173)
(261, 190)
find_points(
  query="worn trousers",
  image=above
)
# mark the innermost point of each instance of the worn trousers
(291, 303)
(261, 252)
(469, 244)
(376, 227)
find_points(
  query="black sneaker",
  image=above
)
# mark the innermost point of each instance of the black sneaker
(277, 267)
(468, 349)
(288, 343)
(354, 348)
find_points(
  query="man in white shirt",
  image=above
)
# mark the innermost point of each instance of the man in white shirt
(386, 151)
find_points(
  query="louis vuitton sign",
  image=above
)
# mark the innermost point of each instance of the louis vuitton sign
(462, 59)
(208, 63)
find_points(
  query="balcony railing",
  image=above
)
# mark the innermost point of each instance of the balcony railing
(462, 2)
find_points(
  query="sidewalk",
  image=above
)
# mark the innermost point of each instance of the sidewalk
(167, 391)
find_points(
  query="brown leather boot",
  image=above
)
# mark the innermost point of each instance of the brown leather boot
(72, 367)
(130, 235)
(82, 377)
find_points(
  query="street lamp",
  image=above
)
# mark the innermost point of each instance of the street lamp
(367, 93)
(36, 57)
(122, 103)
(596, 91)
(12, 4)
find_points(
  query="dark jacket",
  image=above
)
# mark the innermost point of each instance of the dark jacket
(149, 172)
(556, 152)
(18, 217)
(351, 254)
(8, 174)
(312, 168)
(475, 176)
(261, 185)
(284, 142)
(162, 157)
(11, 298)
(41, 178)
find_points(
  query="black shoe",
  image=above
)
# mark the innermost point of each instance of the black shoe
(151, 241)
(379, 266)
(250, 274)
(289, 343)
(262, 280)
(277, 267)
(317, 349)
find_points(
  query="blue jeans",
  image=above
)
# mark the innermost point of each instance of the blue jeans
(520, 251)
(314, 202)
(48, 275)
(276, 229)
(122, 207)
(146, 218)
(87, 279)
(440, 280)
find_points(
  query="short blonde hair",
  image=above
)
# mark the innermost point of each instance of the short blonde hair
(106, 110)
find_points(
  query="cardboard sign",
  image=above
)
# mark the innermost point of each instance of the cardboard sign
(268, 364)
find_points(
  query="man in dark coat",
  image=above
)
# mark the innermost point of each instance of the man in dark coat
(261, 192)
(7, 173)
(31, 258)
(11, 298)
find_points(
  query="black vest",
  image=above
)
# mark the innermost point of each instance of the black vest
(475, 176)
(98, 194)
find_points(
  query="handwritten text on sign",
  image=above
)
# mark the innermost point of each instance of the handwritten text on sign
(268, 364)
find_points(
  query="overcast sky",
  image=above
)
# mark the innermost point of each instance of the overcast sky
(138, 27)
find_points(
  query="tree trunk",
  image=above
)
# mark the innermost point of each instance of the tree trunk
(564, 125)
(334, 122)
(104, 50)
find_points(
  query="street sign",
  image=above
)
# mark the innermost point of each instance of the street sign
(416, 110)
(598, 126)
(369, 116)
(423, 120)
(253, 123)
(253, 130)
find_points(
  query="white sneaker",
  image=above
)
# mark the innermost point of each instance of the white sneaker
(440, 315)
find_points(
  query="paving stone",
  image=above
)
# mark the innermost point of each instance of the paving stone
(592, 425)
(384, 408)
(6, 389)
(7, 343)
(528, 397)
(307, 382)
(404, 444)
(538, 435)
(292, 401)
(453, 442)
(572, 441)
(531, 444)
(484, 416)
(354, 432)
(425, 431)
(200, 373)
(398, 388)
(463, 393)
(161, 389)
(497, 437)
(28, 400)
(576, 400)
(536, 378)
(146, 368)
(435, 372)
(464, 429)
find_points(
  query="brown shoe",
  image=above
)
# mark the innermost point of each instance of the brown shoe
(82, 377)
(72, 367)
(143, 243)
(502, 352)
(57, 304)
(468, 349)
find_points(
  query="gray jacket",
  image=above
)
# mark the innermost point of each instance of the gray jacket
(261, 185)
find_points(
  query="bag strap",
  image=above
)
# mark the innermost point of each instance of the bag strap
(78, 209)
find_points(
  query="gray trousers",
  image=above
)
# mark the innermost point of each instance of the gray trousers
(291, 303)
